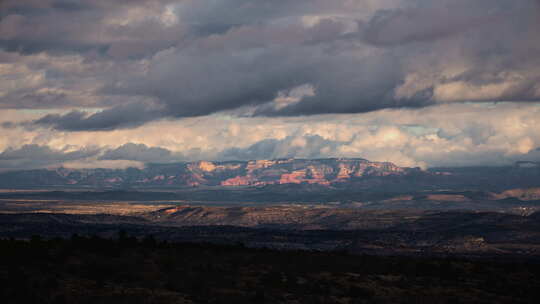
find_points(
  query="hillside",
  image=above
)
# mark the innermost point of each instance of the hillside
(97, 270)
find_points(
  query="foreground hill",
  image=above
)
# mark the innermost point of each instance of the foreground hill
(375, 232)
(97, 270)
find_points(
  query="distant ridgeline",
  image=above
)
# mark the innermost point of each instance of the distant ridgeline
(321, 173)
(527, 164)
(206, 173)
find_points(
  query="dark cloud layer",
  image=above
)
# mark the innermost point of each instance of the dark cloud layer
(60, 27)
(193, 58)
(36, 156)
(122, 116)
(432, 20)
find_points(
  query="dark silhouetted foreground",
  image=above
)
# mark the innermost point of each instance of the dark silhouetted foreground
(127, 270)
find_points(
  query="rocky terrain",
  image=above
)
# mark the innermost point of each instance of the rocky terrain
(285, 217)
(322, 204)
(276, 177)
(376, 232)
(206, 173)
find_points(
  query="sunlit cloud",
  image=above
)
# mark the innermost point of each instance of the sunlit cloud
(419, 83)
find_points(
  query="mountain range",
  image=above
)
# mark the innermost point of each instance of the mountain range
(278, 175)
(206, 173)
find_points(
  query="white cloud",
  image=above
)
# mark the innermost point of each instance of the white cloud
(456, 134)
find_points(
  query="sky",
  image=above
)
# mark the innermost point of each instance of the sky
(421, 83)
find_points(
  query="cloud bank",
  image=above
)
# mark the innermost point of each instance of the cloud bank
(416, 82)
(146, 60)
(444, 135)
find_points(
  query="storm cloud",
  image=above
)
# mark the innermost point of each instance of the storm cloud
(121, 83)
(123, 116)
(194, 58)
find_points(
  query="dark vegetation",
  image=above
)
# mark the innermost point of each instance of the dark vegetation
(128, 270)
(273, 193)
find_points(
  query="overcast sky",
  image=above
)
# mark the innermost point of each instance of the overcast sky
(121, 83)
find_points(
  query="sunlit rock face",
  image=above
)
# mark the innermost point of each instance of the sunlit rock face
(322, 172)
